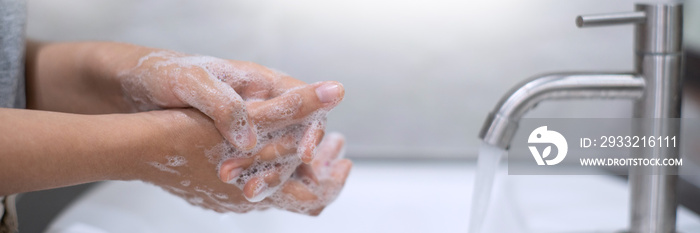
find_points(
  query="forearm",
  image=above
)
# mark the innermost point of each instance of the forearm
(43, 150)
(79, 77)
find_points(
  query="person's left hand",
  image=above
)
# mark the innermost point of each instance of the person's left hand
(219, 88)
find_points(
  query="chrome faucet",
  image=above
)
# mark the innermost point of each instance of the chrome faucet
(655, 85)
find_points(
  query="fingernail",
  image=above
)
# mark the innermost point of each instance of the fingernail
(272, 179)
(253, 189)
(328, 92)
(309, 155)
(233, 175)
(306, 153)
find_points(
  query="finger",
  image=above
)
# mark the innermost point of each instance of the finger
(303, 193)
(285, 83)
(299, 191)
(330, 148)
(230, 169)
(340, 171)
(221, 103)
(305, 174)
(254, 81)
(272, 179)
(312, 137)
(316, 212)
(249, 79)
(296, 104)
(254, 188)
(281, 147)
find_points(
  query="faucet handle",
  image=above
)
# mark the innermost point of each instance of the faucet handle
(610, 19)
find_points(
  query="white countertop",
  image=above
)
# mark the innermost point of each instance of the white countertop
(380, 197)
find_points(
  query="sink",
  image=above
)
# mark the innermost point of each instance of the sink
(380, 196)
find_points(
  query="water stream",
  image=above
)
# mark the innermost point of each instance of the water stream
(487, 164)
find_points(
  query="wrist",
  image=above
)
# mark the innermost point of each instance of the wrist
(149, 137)
(104, 64)
(177, 132)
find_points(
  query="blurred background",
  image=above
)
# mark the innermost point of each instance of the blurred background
(420, 75)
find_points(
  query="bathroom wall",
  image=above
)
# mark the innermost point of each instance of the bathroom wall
(420, 75)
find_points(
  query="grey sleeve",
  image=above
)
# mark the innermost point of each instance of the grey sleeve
(8, 215)
(13, 16)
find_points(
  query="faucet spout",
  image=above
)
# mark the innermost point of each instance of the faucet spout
(502, 122)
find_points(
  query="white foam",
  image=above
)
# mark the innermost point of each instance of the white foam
(325, 192)
(284, 164)
(175, 190)
(164, 79)
(176, 161)
(163, 167)
(196, 200)
(221, 196)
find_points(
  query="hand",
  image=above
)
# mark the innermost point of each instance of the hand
(315, 186)
(101, 78)
(192, 80)
(283, 123)
(187, 171)
(218, 88)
